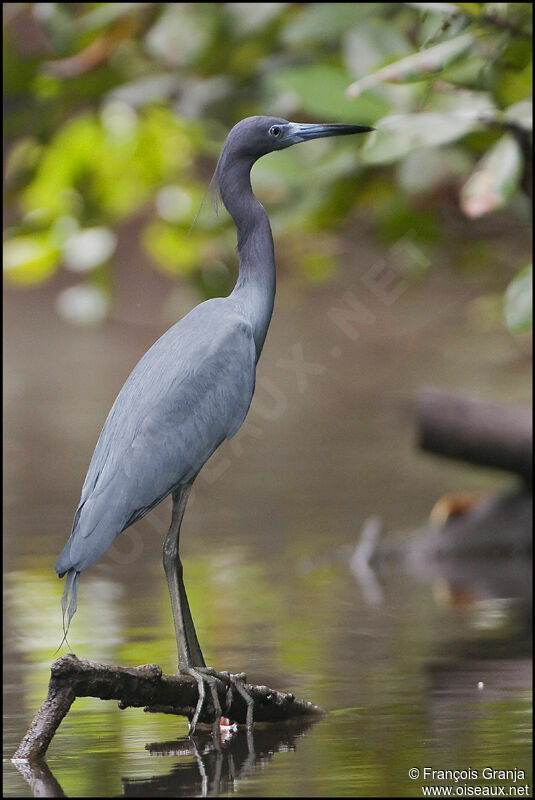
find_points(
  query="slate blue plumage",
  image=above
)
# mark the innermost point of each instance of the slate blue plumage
(191, 390)
(188, 393)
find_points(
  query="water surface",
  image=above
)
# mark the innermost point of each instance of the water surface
(414, 671)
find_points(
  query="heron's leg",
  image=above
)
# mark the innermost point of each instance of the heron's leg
(189, 651)
(190, 657)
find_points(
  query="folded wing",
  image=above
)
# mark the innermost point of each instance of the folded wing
(187, 394)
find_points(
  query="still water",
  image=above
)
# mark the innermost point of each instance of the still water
(416, 671)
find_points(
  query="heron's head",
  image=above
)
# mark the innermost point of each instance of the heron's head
(254, 137)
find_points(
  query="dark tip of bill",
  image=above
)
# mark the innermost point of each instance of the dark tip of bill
(342, 128)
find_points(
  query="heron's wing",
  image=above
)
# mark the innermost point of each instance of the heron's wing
(188, 393)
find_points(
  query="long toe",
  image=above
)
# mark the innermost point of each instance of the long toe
(237, 681)
(204, 676)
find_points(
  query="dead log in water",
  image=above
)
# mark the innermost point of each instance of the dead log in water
(480, 433)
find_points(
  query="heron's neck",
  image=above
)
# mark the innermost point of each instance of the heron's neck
(255, 287)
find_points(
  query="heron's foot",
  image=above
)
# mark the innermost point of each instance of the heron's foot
(237, 683)
(204, 676)
(232, 682)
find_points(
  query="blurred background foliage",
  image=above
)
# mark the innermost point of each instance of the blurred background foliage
(117, 111)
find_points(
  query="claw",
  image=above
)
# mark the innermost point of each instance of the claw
(233, 681)
(238, 681)
(202, 675)
(200, 702)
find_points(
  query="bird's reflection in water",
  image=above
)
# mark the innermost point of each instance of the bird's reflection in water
(217, 764)
(205, 766)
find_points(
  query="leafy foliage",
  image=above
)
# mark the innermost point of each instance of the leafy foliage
(118, 109)
(518, 302)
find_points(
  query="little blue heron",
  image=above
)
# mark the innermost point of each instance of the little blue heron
(187, 394)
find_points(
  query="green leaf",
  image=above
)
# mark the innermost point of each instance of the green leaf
(249, 18)
(369, 44)
(320, 90)
(436, 8)
(472, 9)
(494, 180)
(325, 22)
(514, 79)
(521, 114)
(517, 308)
(429, 169)
(110, 165)
(30, 258)
(105, 14)
(401, 134)
(416, 67)
(171, 249)
(23, 156)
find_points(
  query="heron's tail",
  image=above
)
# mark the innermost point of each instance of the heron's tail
(71, 588)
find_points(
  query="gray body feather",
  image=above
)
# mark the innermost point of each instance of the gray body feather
(187, 394)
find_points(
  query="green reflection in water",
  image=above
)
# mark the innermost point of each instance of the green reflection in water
(401, 700)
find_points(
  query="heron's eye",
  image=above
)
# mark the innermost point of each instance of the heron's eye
(275, 131)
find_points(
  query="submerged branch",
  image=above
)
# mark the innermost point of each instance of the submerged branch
(146, 686)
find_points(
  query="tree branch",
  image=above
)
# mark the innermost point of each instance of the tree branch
(146, 686)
